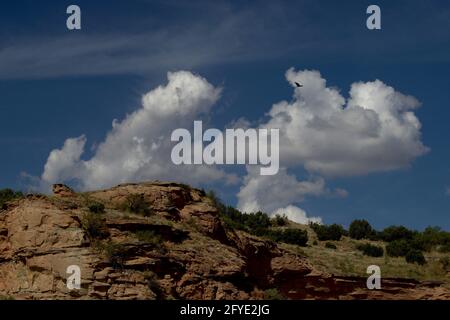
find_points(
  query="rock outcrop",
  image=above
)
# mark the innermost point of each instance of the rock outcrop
(179, 250)
(61, 190)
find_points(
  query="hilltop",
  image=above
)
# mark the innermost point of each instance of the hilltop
(162, 240)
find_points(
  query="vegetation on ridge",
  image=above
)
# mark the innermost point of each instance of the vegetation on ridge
(391, 243)
(259, 224)
(7, 195)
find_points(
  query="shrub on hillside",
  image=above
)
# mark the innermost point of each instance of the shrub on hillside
(259, 224)
(8, 195)
(331, 232)
(292, 236)
(280, 220)
(445, 248)
(435, 237)
(415, 256)
(232, 218)
(96, 207)
(136, 203)
(398, 248)
(255, 223)
(445, 263)
(419, 242)
(370, 250)
(115, 254)
(95, 226)
(361, 229)
(330, 245)
(393, 233)
(273, 294)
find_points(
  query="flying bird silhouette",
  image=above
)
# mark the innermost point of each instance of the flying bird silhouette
(298, 85)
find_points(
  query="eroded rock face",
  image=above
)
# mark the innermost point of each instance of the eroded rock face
(194, 257)
(161, 196)
(61, 190)
(39, 243)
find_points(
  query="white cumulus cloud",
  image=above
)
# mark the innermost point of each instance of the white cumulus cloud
(138, 148)
(374, 130)
(268, 193)
(63, 164)
(276, 194)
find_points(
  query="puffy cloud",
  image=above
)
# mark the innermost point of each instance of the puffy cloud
(296, 214)
(374, 130)
(268, 193)
(138, 148)
(63, 164)
(276, 194)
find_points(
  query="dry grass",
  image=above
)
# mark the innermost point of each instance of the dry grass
(346, 260)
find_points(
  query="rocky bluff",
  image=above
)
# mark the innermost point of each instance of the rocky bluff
(176, 247)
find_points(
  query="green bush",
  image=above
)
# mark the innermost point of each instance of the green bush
(96, 207)
(419, 242)
(280, 220)
(361, 229)
(445, 248)
(433, 235)
(255, 223)
(330, 245)
(331, 232)
(136, 203)
(370, 250)
(8, 195)
(95, 226)
(292, 236)
(415, 256)
(273, 294)
(445, 263)
(393, 233)
(115, 254)
(232, 218)
(398, 248)
(259, 224)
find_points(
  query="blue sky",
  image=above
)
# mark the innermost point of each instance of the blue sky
(56, 84)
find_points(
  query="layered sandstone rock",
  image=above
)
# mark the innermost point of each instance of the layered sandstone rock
(196, 258)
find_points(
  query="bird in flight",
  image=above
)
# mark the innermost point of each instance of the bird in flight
(298, 85)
